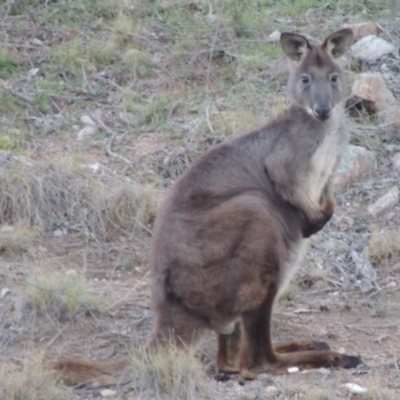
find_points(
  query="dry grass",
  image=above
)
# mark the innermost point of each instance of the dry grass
(60, 195)
(18, 239)
(169, 373)
(29, 379)
(60, 297)
(384, 248)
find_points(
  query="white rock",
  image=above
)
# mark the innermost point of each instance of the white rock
(71, 272)
(58, 233)
(385, 203)
(87, 120)
(33, 72)
(94, 167)
(371, 48)
(355, 389)
(37, 42)
(4, 292)
(293, 370)
(88, 130)
(108, 393)
(274, 37)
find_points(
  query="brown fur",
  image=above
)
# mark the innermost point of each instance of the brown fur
(232, 230)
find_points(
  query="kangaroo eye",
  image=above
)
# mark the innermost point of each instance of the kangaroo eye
(305, 79)
(334, 78)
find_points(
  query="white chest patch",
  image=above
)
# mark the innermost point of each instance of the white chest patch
(322, 164)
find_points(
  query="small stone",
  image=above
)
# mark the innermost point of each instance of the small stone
(71, 272)
(293, 370)
(355, 163)
(385, 203)
(94, 167)
(274, 37)
(222, 377)
(355, 389)
(37, 42)
(271, 390)
(4, 292)
(371, 48)
(33, 72)
(58, 233)
(7, 229)
(108, 392)
(87, 120)
(88, 130)
(396, 161)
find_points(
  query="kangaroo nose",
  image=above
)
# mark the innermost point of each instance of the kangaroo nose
(322, 113)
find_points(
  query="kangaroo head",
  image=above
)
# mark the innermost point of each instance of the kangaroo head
(315, 82)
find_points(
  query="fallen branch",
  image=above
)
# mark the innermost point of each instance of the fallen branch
(112, 135)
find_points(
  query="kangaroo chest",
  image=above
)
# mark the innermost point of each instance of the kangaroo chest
(322, 164)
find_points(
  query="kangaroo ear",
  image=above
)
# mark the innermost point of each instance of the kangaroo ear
(295, 46)
(338, 42)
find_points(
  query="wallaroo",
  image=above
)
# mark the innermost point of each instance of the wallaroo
(232, 230)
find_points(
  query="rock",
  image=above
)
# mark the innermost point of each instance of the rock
(271, 391)
(274, 37)
(371, 88)
(396, 161)
(293, 370)
(7, 229)
(385, 203)
(88, 120)
(71, 272)
(371, 48)
(108, 393)
(364, 29)
(4, 292)
(355, 389)
(356, 162)
(88, 130)
(34, 72)
(58, 233)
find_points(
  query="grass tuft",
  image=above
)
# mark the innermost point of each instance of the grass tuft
(60, 297)
(383, 248)
(29, 380)
(169, 372)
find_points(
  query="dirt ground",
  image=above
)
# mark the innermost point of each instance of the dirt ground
(332, 299)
